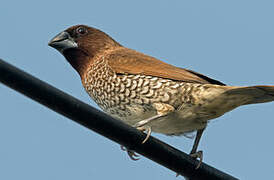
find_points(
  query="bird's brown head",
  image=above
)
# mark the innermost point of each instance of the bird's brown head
(80, 43)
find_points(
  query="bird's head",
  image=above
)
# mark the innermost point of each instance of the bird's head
(80, 43)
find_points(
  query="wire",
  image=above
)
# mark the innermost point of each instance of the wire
(105, 125)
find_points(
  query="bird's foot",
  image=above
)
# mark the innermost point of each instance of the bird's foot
(198, 155)
(145, 129)
(131, 153)
(162, 110)
(195, 155)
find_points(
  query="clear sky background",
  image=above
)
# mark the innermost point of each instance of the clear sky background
(231, 41)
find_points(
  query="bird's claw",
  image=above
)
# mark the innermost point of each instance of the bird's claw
(131, 153)
(199, 155)
(147, 130)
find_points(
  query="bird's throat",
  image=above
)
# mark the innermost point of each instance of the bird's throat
(78, 59)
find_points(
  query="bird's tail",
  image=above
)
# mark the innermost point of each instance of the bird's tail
(253, 94)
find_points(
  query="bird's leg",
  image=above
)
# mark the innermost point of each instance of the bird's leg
(162, 110)
(194, 153)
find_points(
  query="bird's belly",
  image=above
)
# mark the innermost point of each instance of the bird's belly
(176, 123)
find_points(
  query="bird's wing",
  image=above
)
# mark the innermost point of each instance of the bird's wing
(127, 61)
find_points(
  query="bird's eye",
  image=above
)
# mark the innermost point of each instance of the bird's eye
(81, 30)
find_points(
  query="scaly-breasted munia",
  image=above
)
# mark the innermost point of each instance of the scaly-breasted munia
(145, 92)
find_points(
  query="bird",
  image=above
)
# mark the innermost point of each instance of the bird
(147, 93)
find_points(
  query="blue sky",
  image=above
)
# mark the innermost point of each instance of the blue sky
(231, 41)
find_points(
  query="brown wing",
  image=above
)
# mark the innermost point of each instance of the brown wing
(127, 61)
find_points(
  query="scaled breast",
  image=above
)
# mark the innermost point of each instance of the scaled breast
(125, 95)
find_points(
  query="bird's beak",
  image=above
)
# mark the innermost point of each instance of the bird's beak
(62, 41)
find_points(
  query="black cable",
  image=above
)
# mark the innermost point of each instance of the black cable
(103, 124)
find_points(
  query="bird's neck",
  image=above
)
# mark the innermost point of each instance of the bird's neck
(81, 61)
(78, 60)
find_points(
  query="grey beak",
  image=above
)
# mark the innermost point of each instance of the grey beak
(62, 41)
